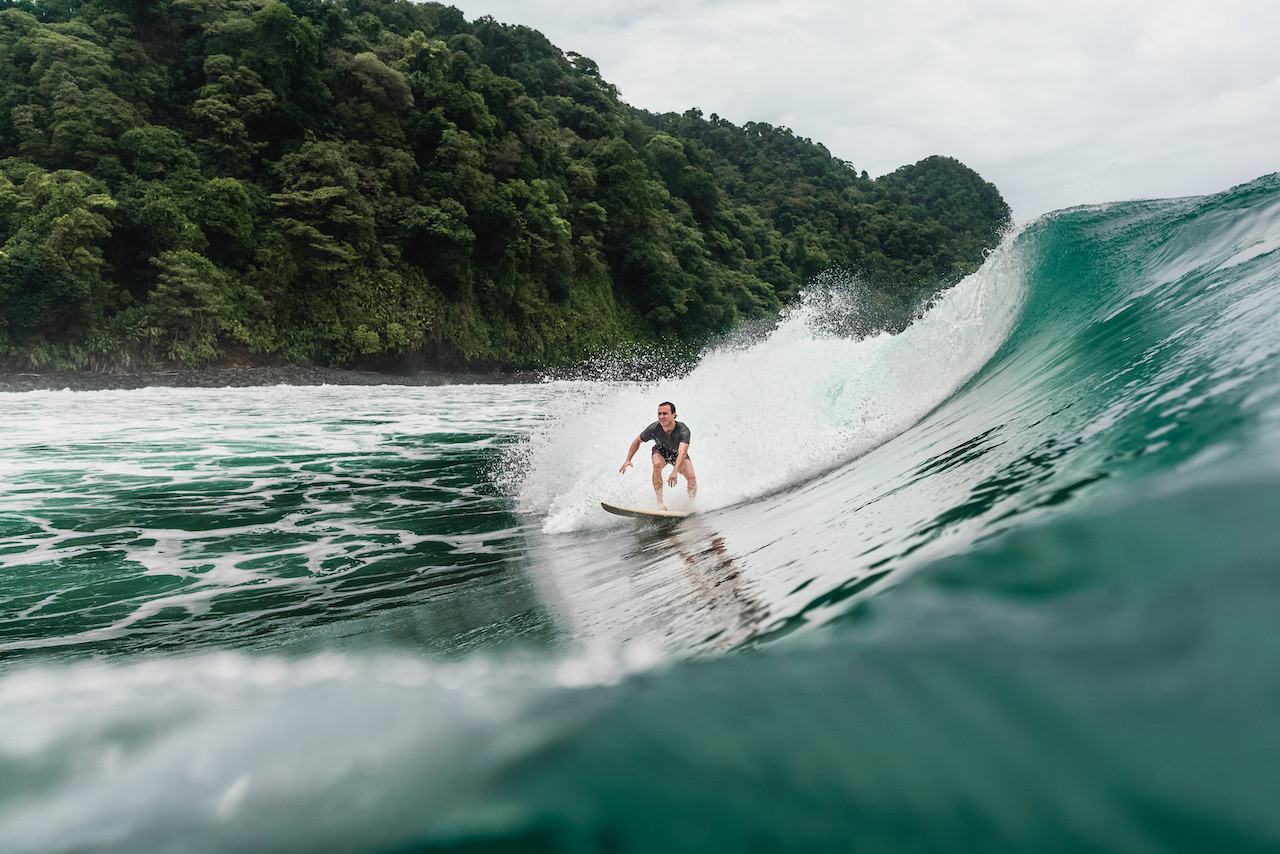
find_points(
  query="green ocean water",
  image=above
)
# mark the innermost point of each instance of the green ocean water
(1007, 581)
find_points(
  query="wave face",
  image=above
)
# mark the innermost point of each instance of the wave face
(1005, 581)
(768, 414)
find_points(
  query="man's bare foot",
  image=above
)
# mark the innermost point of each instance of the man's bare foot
(661, 506)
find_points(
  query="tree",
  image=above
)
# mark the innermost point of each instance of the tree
(190, 307)
(373, 180)
(226, 110)
(51, 265)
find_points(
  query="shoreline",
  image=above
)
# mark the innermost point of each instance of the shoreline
(241, 377)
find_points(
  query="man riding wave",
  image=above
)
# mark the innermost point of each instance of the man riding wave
(670, 447)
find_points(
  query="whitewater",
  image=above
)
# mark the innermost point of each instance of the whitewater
(1005, 580)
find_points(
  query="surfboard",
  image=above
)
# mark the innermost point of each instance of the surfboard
(643, 514)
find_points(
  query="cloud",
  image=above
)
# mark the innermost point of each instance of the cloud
(1057, 104)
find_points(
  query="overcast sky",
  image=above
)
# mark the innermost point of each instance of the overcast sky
(1056, 103)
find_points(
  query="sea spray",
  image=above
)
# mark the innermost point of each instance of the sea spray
(769, 413)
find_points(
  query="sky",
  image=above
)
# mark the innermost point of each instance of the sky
(1058, 104)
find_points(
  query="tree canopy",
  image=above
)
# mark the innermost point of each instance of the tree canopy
(379, 182)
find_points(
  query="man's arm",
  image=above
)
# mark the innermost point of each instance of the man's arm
(684, 451)
(635, 446)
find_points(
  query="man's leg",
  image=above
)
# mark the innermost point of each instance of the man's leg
(658, 464)
(690, 479)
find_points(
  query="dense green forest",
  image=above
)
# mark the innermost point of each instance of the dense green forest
(383, 183)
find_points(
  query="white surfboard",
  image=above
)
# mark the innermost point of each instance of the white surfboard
(643, 514)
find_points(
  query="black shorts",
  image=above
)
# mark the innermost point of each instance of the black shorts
(669, 456)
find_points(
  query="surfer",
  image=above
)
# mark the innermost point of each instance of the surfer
(670, 448)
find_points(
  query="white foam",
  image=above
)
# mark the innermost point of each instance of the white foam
(768, 415)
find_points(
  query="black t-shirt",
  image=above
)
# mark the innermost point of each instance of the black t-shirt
(667, 444)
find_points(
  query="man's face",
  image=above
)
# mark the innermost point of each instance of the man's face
(665, 418)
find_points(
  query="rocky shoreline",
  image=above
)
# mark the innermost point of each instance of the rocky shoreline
(240, 377)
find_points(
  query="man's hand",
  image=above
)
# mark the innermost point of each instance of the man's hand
(625, 466)
(671, 481)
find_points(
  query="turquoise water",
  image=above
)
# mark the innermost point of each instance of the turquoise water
(1006, 581)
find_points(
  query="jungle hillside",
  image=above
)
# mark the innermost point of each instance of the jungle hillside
(384, 183)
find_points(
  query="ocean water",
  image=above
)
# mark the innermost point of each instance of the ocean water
(1006, 581)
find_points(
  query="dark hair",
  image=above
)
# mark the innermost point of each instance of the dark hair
(668, 403)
